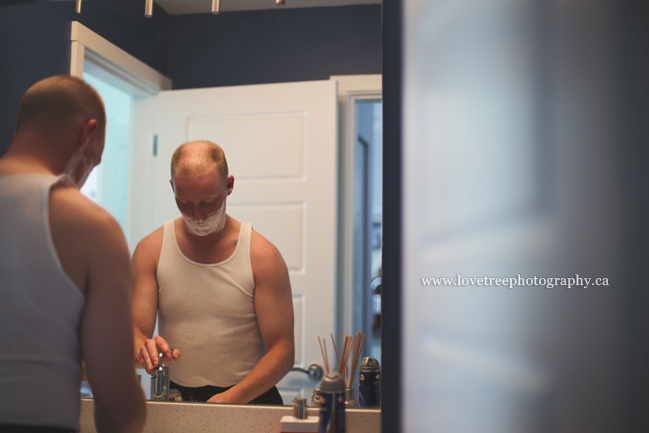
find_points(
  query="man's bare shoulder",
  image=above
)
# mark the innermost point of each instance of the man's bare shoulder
(85, 236)
(151, 245)
(73, 212)
(262, 251)
(269, 269)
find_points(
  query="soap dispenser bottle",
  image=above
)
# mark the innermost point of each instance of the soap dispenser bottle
(300, 421)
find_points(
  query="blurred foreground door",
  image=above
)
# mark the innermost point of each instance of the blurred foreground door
(510, 170)
(280, 143)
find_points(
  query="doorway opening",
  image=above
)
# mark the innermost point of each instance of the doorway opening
(368, 144)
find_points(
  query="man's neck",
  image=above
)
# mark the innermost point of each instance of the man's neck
(28, 154)
(23, 164)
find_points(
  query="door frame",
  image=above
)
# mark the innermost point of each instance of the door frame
(350, 89)
(88, 45)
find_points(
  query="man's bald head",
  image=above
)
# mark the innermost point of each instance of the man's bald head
(199, 157)
(52, 103)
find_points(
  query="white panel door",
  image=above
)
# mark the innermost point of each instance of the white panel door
(280, 143)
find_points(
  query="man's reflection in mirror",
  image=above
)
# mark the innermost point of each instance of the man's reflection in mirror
(220, 289)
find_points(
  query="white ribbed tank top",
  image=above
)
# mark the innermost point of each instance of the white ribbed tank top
(207, 311)
(40, 312)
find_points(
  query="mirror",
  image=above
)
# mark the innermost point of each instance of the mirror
(280, 45)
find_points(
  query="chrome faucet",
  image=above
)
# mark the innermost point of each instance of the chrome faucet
(160, 382)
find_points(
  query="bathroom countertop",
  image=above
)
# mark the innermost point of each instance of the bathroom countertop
(205, 417)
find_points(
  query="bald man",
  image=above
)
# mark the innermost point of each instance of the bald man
(64, 272)
(220, 289)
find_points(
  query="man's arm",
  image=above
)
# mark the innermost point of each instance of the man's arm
(274, 309)
(94, 254)
(145, 303)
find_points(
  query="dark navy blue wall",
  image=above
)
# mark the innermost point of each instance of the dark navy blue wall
(123, 23)
(200, 50)
(276, 45)
(35, 44)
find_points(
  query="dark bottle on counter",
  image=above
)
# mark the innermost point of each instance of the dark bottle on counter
(369, 383)
(332, 404)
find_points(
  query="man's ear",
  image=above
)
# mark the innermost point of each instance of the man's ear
(87, 128)
(230, 184)
(171, 182)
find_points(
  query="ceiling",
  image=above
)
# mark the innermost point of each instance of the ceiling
(179, 7)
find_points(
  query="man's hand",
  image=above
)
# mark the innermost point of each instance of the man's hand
(144, 301)
(147, 356)
(224, 397)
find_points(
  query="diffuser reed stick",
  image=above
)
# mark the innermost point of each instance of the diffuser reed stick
(358, 350)
(352, 348)
(324, 356)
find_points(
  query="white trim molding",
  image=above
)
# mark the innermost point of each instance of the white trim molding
(358, 84)
(351, 88)
(107, 60)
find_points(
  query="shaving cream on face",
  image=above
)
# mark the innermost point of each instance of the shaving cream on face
(212, 224)
(81, 162)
